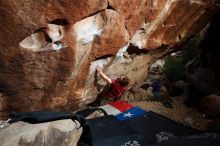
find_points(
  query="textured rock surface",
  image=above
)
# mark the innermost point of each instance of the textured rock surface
(62, 133)
(202, 71)
(170, 22)
(210, 106)
(49, 49)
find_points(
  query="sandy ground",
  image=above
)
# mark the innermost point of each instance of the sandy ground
(180, 113)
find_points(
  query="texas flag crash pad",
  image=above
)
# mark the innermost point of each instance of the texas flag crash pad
(111, 130)
(134, 125)
(123, 110)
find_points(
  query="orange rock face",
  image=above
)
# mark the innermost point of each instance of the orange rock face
(50, 49)
(172, 21)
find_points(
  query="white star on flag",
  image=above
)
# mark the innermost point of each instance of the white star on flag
(128, 114)
(122, 110)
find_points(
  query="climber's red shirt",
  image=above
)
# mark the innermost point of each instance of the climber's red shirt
(115, 90)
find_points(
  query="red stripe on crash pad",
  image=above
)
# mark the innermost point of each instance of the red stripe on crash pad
(121, 105)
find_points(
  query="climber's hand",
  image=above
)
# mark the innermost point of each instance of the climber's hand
(99, 69)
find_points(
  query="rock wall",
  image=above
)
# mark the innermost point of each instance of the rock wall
(50, 48)
(202, 72)
(61, 132)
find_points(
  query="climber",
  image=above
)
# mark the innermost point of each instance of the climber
(158, 82)
(156, 90)
(113, 90)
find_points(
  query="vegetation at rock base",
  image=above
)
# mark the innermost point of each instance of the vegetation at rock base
(174, 66)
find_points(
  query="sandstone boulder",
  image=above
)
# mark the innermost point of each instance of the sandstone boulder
(170, 21)
(50, 49)
(210, 106)
(62, 133)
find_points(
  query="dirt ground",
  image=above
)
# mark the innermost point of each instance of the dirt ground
(180, 113)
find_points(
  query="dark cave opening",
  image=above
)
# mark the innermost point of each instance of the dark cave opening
(103, 57)
(135, 50)
(193, 70)
(62, 22)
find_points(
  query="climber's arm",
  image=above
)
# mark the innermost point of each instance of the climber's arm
(104, 76)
